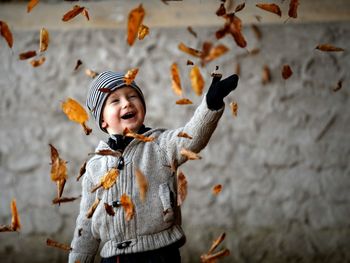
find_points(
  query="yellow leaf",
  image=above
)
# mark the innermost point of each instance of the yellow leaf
(142, 32)
(134, 21)
(197, 80)
(58, 166)
(175, 78)
(44, 40)
(130, 75)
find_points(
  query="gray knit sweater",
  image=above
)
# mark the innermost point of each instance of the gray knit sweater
(151, 227)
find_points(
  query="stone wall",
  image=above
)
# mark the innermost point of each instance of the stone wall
(283, 162)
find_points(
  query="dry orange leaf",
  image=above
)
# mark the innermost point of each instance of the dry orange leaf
(190, 29)
(91, 73)
(212, 258)
(183, 101)
(142, 32)
(293, 8)
(175, 79)
(108, 180)
(217, 189)
(273, 8)
(53, 243)
(181, 188)
(215, 52)
(44, 39)
(107, 152)
(142, 184)
(31, 5)
(6, 33)
(128, 206)
(197, 80)
(140, 137)
(286, 72)
(37, 62)
(82, 170)
(73, 13)
(134, 21)
(92, 209)
(15, 222)
(234, 108)
(86, 14)
(109, 209)
(233, 26)
(189, 50)
(75, 112)
(27, 54)
(216, 243)
(329, 48)
(130, 75)
(189, 154)
(266, 75)
(63, 200)
(184, 135)
(58, 166)
(60, 186)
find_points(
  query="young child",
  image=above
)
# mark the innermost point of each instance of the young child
(154, 232)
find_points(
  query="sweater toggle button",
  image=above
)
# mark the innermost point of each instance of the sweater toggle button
(124, 244)
(120, 163)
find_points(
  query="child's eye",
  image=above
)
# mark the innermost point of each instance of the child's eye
(133, 96)
(115, 101)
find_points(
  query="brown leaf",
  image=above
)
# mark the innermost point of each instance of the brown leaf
(338, 86)
(140, 137)
(82, 170)
(240, 7)
(86, 14)
(64, 200)
(266, 75)
(184, 135)
(130, 75)
(212, 258)
(60, 186)
(73, 13)
(135, 18)
(215, 52)
(128, 206)
(197, 81)
(6, 33)
(216, 243)
(109, 209)
(36, 63)
(91, 73)
(221, 11)
(190, 29)
(6, 228)
(44, 40)
(189, 50)
(234, 108)
(28, 54)
(142, 32)
(92, 209)
(175, 79)
(58, 166)
(293, 8)
(142, 184)
(181, 188)
(286, 71)
(233, 26)
(189, 154)
(217, 189)
(31, 5)
(53, 243)
(78, 64)
(273, 8)
(108, 180)
(107, 152)
(15, 222)
(183, 101)
(329, 48)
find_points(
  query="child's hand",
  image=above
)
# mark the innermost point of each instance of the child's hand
(219, 89)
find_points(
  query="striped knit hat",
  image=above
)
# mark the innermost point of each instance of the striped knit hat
(96, 98)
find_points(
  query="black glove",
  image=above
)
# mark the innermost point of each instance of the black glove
(219, 89)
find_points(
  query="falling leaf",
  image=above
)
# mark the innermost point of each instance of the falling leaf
(175, 79)
(44, 39)
(36, 63)
(140, 137)
(190, 29)
(273, 8)
(217, 189)
(181, 188)
(108, 180)
(212, 258)
(142, 32)
(31, 5)
(286, 71)
(53, 243)
(75, 112)
(82, 170)
(234, 108)
(107, 152)
(6, 33)
(266, 75)
(189, 154)
(28, 54)
(221, 11)
(60, 186)
(197, 80)
(91, 73)
(64, 200)
(189, 62)
(184, 135)
(130, 75)
(240, 7)
(92, 209)
(189, 50)
(78, 64)
(216, 243)
(128, 206)
(86, 14)
(329, 48)
(215, 52)
(135, 18)
(233, 26)
(256, 31)
(15, 222)
(109, 209)
(183, 101)
(73, 13)
(58, 166)
(338, 86)
(293, 8)
(142, 184)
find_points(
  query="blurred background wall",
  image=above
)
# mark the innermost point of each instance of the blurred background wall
(283, 162)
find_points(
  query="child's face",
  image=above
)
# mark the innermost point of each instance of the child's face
(123, 109)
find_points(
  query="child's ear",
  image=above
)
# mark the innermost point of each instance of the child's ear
(104, 125)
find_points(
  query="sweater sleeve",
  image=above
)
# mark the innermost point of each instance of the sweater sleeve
(84, 245)
(200, 127)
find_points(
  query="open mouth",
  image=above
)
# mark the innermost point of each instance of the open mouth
(128, 115)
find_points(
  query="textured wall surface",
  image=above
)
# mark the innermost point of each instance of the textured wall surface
(283, 162)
